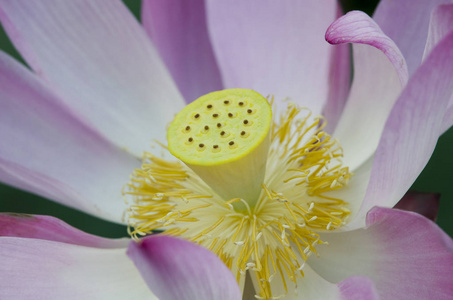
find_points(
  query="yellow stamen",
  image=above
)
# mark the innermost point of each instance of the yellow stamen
(272, 236)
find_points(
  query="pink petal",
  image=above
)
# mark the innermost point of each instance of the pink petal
(49, 151)
(52, 229)
(95, 55)
(274, 47)
(426, 204)
(358, 288)
(406, 22)
(47, 270)
(441, 23)
(379, 74)
(412, 129)
(406, 256)
(177, 269)
(178, 29)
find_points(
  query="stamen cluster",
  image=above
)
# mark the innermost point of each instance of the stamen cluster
(271, 239)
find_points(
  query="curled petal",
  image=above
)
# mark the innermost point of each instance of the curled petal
(380, 72)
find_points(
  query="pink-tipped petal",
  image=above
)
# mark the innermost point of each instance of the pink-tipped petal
(47, 270)
(96, 56)
(358, 288)
(52, 229)
(177, 269)
(357, 27)
(406, 22)
(379, 75)
(426, 204)
(47, 150)
(274, 47)
(178, 29)
(406, 256)
(412, 129)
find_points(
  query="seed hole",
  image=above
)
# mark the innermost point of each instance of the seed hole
(187, 128)
(215, 146)
(246, 122)
(219, 125)
(190, 139)
(215, 115)
(249, 111)
(230, 115)
(241, 103)
(209, 106)
(222, 133)
(206, 127)
(201, 145)
(196, 116)
(231, 143)
(226, 102)
(243, 133)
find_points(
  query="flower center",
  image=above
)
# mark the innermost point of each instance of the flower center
(254, 191)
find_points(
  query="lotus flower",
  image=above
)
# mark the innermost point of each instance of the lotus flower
(318, 224)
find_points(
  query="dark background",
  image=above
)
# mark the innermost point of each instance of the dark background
(436, 177)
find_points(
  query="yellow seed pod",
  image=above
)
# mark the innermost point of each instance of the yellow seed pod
(220, 127)
(224, 137)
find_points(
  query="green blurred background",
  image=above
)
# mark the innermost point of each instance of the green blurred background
(436, 177)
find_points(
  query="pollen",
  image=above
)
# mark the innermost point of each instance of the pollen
(269, 232)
